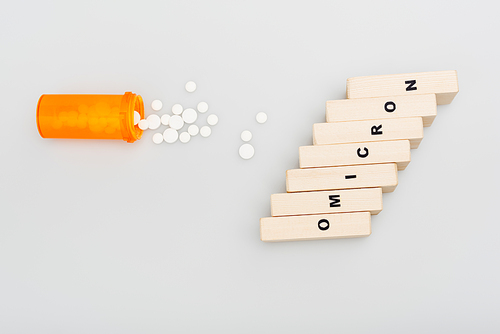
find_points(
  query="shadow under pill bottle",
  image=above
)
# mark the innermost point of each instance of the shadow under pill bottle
(80, 116)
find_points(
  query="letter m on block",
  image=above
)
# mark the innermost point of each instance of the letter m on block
(335, 201)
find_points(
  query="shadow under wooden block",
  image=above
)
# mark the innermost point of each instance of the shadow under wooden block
(383, 108)
(367, 131)
(314, 227)
(384, 176)
(442, 83)
(397, 151)
(333, 201)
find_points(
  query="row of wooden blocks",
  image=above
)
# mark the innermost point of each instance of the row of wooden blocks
(356, 155)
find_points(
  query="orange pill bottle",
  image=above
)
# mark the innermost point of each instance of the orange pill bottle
(89, 116)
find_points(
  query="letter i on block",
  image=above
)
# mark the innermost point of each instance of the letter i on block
(312, 227)
(442, 83)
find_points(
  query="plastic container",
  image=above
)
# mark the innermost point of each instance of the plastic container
(89, 116)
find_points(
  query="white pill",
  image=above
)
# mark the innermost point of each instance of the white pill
(154, 122)
(246, 135)
(184, 137)
(157, 138)
(246, 151)
(177, 109)
(205, 131)
(137, 117)
(164, 119)
(261, 117)
(190, 86)
(189, 115)
(176, 122)
(212, 119)
(170, 135)
(193, 130)
(143, 124)
(156, 105)
(202, 107)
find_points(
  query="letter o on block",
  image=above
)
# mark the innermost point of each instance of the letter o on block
(323, 224)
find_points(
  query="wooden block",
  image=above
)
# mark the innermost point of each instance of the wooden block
(397, 151)
(314, 227)
(384, 176)
(383, 107)
(442, 83)
(372, 130)
(333, 201)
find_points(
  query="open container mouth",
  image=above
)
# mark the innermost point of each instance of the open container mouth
(130, 103)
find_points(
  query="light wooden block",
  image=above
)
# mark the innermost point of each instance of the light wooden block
(314, 227)
(372, 130)
(442, 83)
(383, 107)
(384, 176)
(333, 201)
(397, 151)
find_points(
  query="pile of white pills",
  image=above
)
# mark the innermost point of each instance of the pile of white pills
(181, 117)
(186, 117)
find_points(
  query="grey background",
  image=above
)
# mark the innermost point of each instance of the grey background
(110, 237)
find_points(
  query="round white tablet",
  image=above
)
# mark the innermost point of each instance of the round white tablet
(261, 117)
(164, 119)
(177, 109)
(176, 122)
(184, 137)
(190, 86)
(212, 119)
(170, 135)
(137, 117)
(154, 122)
(157, 138)
(193, 130)
(189, 115)
(156, 105)
(202, 107)
(246, 135)
(205, 131)
(143, 124)
(246, 151)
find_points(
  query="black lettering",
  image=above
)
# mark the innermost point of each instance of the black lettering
(411, 85)
(376, 130)
(362, 155)
(390, 106)
(323, 224)
(335, 201)
(347, 177)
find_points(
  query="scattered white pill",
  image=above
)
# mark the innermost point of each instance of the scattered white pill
(176, 122)
(154, 122)
(193, 129)
(184, 137)
(246, 151)
(202, 107)
(157, 138)
(143, 124)
(205, 131)
(156, 105)
(189, 115)
(164, 119)
(246, 135)
(137, 117)
(261, 117)
(170, 135)
(190, 86)
(177, 109)
(212, 119)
